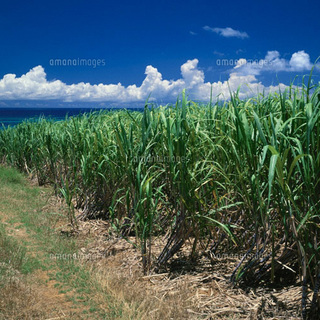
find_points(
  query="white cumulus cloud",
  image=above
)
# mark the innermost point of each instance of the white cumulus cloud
(300, 61)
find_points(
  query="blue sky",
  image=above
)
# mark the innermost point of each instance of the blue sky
(118, 52)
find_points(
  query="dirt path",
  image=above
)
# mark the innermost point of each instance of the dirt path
(38, 294)
(57, 305)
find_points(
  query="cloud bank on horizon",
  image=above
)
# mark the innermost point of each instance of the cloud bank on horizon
(34, 85)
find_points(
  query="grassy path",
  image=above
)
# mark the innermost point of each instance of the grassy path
(34, 284)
